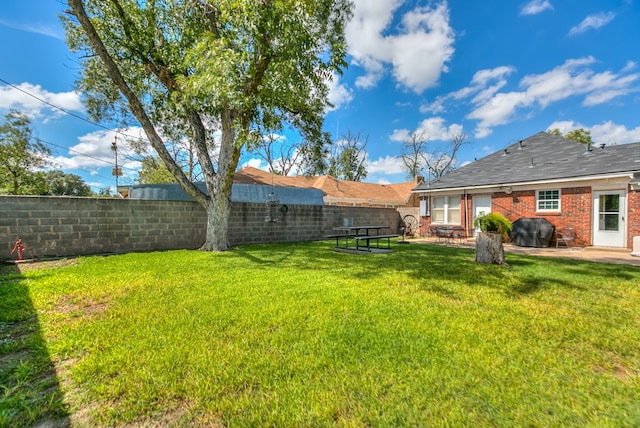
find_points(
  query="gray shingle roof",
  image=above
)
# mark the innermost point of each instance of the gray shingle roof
(540, 157)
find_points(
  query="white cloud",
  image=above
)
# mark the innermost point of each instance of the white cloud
(573, 78)
(339, 95)
(484, 84)
(400, 135)
(94, 151)
(606, 132)
(418, 53)
(592, 22)
(536, 6)
(255, 163)
(629, 66)
(436, 130)
(433, 128)
(43, 29)
(389, 165)
(35, 101)
(565, 126)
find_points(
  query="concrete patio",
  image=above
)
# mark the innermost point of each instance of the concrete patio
(594, 254)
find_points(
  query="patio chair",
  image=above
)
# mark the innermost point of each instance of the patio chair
(566, 236)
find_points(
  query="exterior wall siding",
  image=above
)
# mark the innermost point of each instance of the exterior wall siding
(67, 226)
(633, 214)
(576, 211)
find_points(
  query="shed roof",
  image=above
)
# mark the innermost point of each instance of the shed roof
(334, 190)
(541, 157)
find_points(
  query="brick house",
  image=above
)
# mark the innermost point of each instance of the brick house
(593, 189)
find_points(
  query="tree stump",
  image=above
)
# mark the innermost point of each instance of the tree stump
(489, 248)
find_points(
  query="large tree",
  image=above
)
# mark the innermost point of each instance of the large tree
(21, 156)
(217, 70)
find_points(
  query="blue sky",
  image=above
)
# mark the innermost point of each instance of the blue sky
(496, 71)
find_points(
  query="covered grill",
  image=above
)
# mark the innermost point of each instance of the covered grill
(531, 232)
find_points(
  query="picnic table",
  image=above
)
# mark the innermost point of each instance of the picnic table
(362, 236)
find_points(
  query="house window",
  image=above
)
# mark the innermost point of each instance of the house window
(548, 200)
(445, 209)
(437, 209)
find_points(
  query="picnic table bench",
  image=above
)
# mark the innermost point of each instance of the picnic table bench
(363, 240)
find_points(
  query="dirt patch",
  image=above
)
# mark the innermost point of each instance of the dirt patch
(16, 267)
(614, 367)
(83, 307)
(44, 264)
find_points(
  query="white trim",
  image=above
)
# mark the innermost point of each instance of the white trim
(557, 210)
(605, 238)
(517, 186)
(445, 208)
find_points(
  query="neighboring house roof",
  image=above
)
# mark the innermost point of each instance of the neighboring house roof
(336, 192)
(541, 157)
(239, 193)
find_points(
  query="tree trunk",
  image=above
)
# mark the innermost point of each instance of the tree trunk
(218, 213)
(489, 248)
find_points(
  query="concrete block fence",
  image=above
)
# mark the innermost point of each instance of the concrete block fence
(70, 226)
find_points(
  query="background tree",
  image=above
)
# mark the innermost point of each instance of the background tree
(444, 160)
(59, 183)
(220, 71)
(21, 156)
(104, 192)
(414, 154)
(153, 171)
(580, 135)
(281, 158)
(314, 156)
(419, 157)
(347, 159)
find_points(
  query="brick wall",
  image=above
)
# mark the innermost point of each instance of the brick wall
(633, 213)
(576, 209)
(67, 226)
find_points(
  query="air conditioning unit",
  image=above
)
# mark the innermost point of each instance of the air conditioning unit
(636, 246)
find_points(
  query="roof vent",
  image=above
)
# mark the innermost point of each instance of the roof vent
(520, 144)
(532, 164)
(602, 145)
(506, 152)
(588, 149)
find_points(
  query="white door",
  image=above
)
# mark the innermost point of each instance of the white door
(481, 206)
(609, 210)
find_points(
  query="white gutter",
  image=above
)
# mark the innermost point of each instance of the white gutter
(628, 175)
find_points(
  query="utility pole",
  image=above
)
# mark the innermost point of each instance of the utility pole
(117, 171)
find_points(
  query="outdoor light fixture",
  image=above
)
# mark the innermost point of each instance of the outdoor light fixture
(507, 189)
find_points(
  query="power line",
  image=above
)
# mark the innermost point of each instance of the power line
(75, 151)
(77, 116)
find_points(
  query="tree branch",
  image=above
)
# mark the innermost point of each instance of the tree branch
(135, 104)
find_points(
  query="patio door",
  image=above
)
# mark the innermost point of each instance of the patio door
(609, 210)
(481, 206)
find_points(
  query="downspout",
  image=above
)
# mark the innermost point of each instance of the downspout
(466, 214)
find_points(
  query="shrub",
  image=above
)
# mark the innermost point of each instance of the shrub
(493, 222)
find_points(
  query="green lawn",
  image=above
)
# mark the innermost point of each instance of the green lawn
(299, 335)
